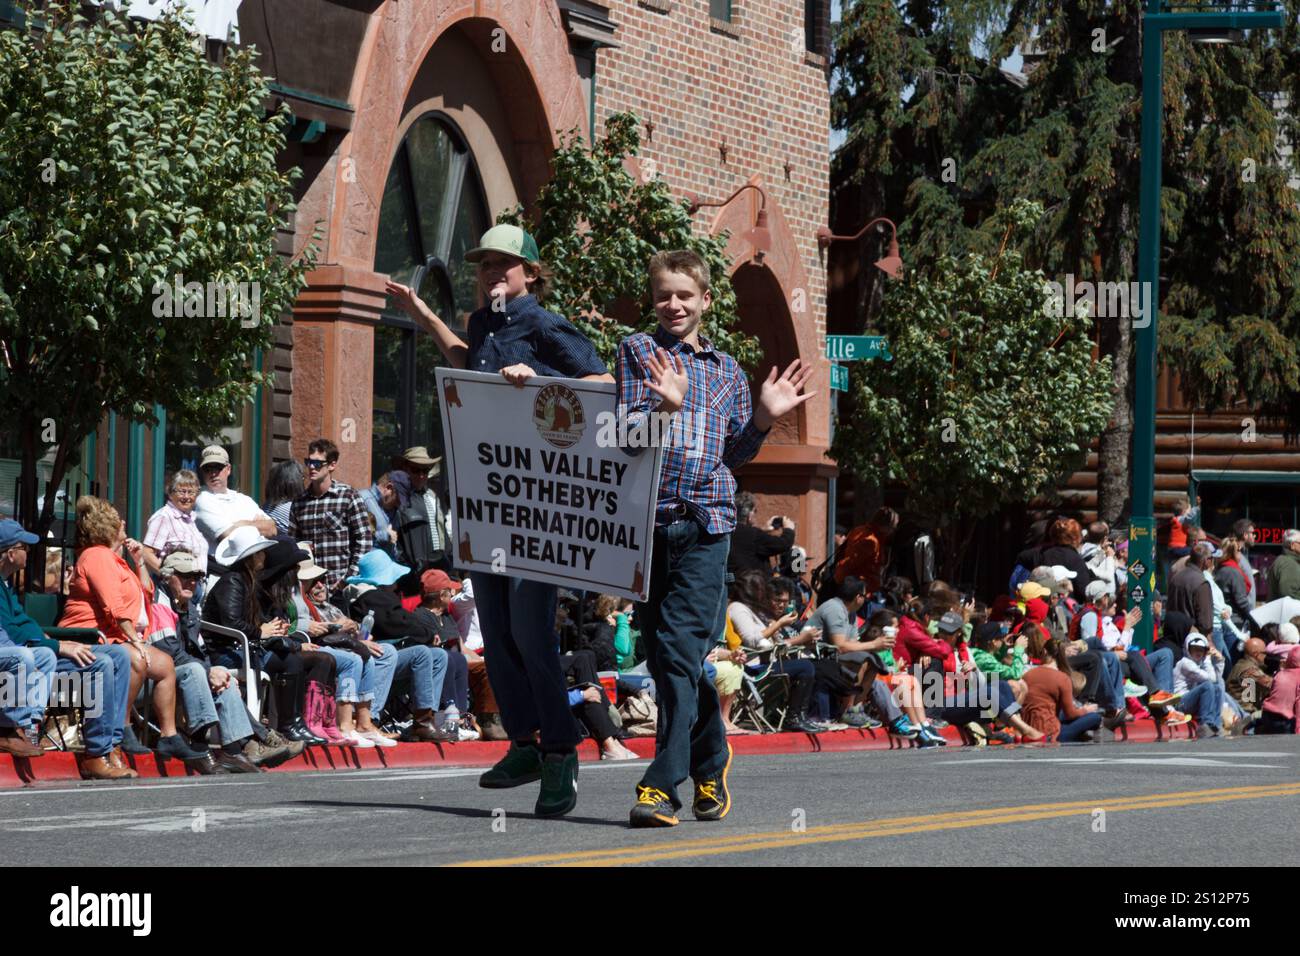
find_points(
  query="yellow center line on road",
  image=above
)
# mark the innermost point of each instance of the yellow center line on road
(893, 826)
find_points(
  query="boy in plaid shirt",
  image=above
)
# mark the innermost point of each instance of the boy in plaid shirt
(678, 370)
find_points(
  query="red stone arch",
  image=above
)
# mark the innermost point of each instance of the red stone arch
(768, 289)
(536, 84)
(791, 474)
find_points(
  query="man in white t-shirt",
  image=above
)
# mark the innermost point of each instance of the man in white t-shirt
(218, 511)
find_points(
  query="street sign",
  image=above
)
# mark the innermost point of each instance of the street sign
(852, 348)
(839, 378)
(1138, 595)
(1138, 570)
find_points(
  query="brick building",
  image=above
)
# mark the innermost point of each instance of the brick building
(418, 121)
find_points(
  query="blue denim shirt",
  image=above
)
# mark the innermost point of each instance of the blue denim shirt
(525, 332)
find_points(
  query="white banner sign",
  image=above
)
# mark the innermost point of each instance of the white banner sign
(534, 493)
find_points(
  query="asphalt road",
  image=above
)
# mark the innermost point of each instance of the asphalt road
(1205, 803)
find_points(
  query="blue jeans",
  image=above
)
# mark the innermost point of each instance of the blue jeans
(110, 676)
(683, 617)
(1205, 703)
(351, 685)
(517, 620)
(1072, 730)
(28, 670)
(455, 690)
(1111, 691)
(1161, 662)
(226, 710)
(425, 666)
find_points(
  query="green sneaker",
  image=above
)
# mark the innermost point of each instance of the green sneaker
(559, 785)
(520, 765)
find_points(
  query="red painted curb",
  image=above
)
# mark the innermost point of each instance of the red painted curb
(58, 766)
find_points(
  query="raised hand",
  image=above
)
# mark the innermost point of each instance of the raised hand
(668, 380)
(781, 395)
(409, 301)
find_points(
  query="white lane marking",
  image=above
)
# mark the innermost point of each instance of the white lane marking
(1156, 761)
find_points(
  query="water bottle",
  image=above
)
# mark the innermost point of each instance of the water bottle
(451, 721)
(367, 625)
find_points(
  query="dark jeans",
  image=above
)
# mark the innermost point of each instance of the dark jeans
(455, 689)
(517, 619)
(1072, 730)
(682, 619)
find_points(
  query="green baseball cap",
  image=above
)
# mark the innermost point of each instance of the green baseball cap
(508, 239)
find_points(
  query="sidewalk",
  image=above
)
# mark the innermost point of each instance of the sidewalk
(61, 767)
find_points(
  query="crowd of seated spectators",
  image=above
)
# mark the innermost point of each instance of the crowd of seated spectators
(347, 604)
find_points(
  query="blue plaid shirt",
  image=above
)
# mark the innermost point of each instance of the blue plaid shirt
(718, 417)
(525, 332)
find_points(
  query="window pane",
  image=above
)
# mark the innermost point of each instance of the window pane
(471, 223)
(430, 149)
(387, 437)
(182, 449)
(395, 252)
(720, 9)
(427, 426)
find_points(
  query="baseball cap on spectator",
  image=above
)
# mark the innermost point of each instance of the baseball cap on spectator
(1096, 589)
(951, 623)
(1063, 573)
(1036, 610)
(180, 562)
(1043, 577)
(1031, 591)
(1196, 640)
(12, 533)
(435, 579)
(214, 455)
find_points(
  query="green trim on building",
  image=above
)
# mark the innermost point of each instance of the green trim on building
(135, 479)
(311, 97)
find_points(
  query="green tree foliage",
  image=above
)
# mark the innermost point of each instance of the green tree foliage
(126, 160)
(929, 90)
(596, 226)
(990, 398)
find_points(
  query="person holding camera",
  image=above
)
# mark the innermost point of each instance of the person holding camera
(752, 547)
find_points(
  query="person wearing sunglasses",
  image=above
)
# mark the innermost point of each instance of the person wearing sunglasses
(330, 516)
(219, 510)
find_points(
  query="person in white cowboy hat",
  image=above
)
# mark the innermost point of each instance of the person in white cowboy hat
(235, 602)
(514, 336)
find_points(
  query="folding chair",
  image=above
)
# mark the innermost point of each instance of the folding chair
(256, 681)
(44, 610)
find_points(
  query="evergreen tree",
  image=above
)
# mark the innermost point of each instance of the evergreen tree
(1069, 139)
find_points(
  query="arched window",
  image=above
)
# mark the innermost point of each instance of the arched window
(433, 212)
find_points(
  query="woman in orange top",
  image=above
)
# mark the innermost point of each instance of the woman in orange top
(1049, 702)
(105, 593)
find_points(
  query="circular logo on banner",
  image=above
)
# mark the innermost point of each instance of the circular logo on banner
(558, 415)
